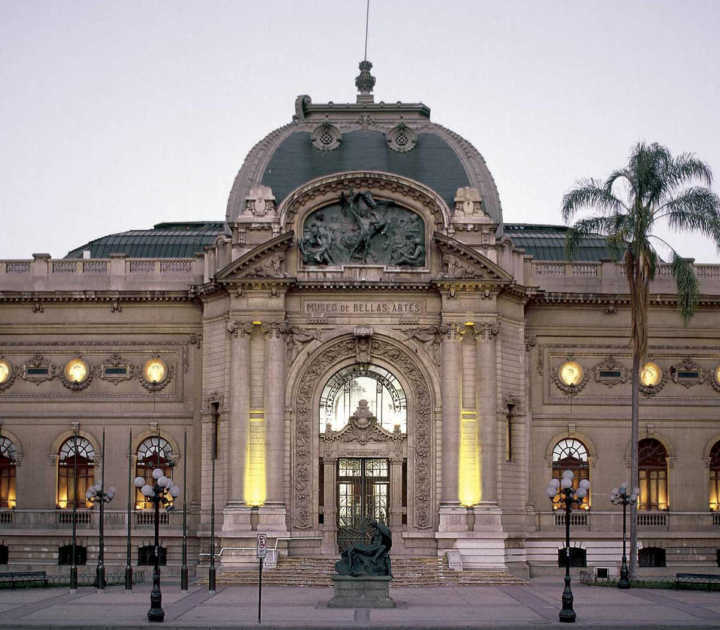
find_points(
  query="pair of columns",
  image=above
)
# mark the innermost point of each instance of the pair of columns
(257, 393)
(469, 422)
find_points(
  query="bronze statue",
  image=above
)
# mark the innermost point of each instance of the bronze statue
(371, 558)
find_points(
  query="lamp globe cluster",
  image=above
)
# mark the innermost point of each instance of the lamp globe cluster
(96, 493)
(165, 483)
(566, 483)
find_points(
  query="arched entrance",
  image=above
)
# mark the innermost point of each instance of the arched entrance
(362, 447)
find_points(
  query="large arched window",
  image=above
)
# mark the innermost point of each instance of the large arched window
(7, 473)
(347, 387)
(715, 477)
(652, 464)
(75, 449)
(571, 454)
(153, 452)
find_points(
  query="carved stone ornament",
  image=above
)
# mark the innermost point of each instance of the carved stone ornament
(267, 260)
(326, 137)
(38, 369)
(610, 372)
(429, 337)
(687, 373)
(468, 202)
(569, 389)
(401, 138)
(151, 386)
(305, 425)
(461, 261)
(260, 202)
(362, 428)
(362, 230)
(296, 339)
(116, 369)
(8, 375)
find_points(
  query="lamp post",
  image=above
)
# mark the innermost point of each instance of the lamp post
(97, 494)
(73, 566)
(157, 494)
(569, 496)
(620, 496)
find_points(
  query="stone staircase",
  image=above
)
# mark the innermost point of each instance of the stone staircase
(406, 572)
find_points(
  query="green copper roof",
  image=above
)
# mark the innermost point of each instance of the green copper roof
(165, 240)
(432, 162)
(547, 242)
(184, 240)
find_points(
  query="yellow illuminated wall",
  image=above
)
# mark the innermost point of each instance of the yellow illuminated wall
(469, 482)
(255, 486)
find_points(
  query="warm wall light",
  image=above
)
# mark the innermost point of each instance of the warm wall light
(76, 371)
(469, 323)
(257, 322)
(155, 370)
(650, 374)
(4, 371)
(255, 487)
(717, 375)
(571, 373)
(469, 487)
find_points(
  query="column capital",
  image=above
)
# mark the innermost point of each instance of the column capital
(238, 329)
(486, 331)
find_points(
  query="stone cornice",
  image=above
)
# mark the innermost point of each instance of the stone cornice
(264, 261)
(115, 298)
(472, 264)
(545, 298)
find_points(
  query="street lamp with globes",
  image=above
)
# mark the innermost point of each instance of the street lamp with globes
(569, 496)
(160, 492)
(97, 494)
(620, 496)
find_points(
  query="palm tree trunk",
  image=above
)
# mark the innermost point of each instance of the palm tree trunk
(634, 478)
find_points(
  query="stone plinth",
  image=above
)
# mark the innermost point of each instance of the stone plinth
(361, 592)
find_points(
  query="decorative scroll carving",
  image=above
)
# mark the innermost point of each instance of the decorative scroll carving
(296, 339)
(610, 372)
(430, 338)
(305, 425)
(687, 373)
(116, 369)
(38, 369)
(260, 202)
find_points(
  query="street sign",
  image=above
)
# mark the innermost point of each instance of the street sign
(261, 545)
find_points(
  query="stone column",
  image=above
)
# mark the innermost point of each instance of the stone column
(396, 489)
(275, 451)
(487, 373)
(329, 527)
(452, 514)
(239, 401)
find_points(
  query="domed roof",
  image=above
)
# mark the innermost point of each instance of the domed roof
(398, 138)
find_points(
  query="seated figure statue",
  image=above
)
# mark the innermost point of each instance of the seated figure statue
(371, 558)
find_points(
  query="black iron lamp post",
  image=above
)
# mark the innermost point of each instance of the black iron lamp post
(159, 493)
(620, 496)
(98, 494)
(569, 497)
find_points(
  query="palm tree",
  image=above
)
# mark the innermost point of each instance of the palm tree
(654, 187)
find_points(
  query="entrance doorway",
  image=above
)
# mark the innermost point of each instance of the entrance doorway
(363, 493)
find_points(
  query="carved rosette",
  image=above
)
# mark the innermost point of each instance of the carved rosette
(305, 425)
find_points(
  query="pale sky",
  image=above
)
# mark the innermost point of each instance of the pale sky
(118, 115)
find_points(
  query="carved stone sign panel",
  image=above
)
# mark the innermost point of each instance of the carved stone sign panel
(363, 231)
(306, 422)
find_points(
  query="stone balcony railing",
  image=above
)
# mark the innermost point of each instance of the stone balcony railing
(116, 273)
(88, 520)
(609, 277)
(611, 521)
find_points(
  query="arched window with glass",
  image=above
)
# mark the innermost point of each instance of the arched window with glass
(8, 461)
(571, 454)
(153, 452)
(74, 480)
(379, 387)
(652, 465)
(715, 477)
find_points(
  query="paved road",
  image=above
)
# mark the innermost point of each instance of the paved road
(508, 607)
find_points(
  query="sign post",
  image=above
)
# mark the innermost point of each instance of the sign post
(261, 553)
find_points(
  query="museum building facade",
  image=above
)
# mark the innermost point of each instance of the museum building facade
(361, 338)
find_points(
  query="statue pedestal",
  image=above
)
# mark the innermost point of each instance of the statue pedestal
(361, 592)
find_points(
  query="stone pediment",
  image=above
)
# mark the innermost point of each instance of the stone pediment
(464, 263)
(266, 261)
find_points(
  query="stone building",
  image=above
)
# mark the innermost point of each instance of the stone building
(362, 337)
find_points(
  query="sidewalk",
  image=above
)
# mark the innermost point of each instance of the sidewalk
(535, 605)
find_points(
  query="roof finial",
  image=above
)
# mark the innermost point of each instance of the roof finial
(365, 81)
